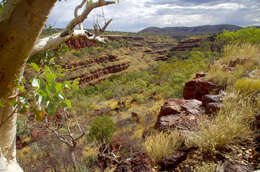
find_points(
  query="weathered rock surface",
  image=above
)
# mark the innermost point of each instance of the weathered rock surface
(238, 61)
(179, 113)
(197, 88)
(171, 162)
(229, 166)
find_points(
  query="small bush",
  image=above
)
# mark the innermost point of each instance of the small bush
(247, 86)
(230, 125)
(162, 144)
(102, 129)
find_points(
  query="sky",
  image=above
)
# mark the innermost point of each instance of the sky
(135, 15)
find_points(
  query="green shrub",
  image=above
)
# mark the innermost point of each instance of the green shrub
(102, 129)
(246, 35)
(247, 85)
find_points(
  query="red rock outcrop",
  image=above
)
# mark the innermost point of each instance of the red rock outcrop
(97, 74)
(179, 113)
(197, 88)
(77, 43)
(186, 45)
(109, 58)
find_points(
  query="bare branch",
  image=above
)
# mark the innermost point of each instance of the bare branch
(77, 10)
(58, 38)
(86, 12)
(55, 40)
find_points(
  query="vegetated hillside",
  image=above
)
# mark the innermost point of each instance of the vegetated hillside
(188, 31)
(150, 103)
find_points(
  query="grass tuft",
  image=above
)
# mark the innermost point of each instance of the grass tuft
(161, 145)
(232, 124)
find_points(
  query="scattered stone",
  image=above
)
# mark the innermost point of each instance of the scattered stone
(255, 74)
(171, 162)
(229, 166)
(212, 107)
(200, 75)
(238, 61)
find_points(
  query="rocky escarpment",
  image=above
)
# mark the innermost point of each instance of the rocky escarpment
(89, 62)
(95, 76)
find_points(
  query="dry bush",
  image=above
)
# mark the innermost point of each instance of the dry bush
(231, 125)
(162, 144)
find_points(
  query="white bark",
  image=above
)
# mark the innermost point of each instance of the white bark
(56, 39)
(20, 25)
(77, 10)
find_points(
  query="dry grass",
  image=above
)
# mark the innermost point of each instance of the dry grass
(229, 126)
(221, 77)
(247, 85)
(239, 51)
(205, 167)
(162, 144)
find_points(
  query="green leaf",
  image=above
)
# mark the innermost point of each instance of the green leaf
(12, 102)
(90, 2)
(118, 1)
(51, 109)
(35, 67)
(50, 77)
(68, 103)
(59, 87)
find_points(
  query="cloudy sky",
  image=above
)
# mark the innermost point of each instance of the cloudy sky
(135, 15)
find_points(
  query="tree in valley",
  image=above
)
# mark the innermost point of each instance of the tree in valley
(21, 23)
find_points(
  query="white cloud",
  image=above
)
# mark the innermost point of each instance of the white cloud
(134, 15)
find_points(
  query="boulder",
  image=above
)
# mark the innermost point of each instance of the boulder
(197, 88)
(179, 113)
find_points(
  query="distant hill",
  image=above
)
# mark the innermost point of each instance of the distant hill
(187, 31)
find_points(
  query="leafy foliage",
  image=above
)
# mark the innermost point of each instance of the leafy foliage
(50, 94)
(247, 35)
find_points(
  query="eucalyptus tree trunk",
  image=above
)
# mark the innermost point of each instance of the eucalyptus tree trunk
(20, 25)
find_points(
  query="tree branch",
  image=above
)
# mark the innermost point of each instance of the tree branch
(77, 10)
(85, 13)
(69, 33)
